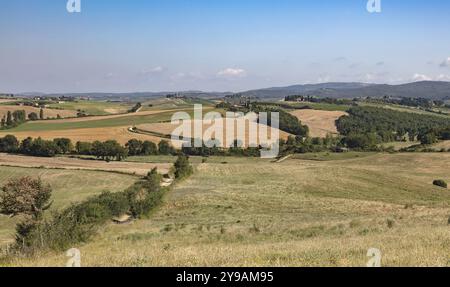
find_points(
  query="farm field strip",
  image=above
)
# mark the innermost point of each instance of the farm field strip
(81, 164)
(320, 123)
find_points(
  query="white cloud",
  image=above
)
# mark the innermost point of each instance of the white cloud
(232, 73)
(446, 63)
(421, 77)
(443, 77)
(152, 71)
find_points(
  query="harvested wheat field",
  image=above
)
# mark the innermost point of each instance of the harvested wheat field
(81, 164)
(48, 113)
(120, 134)
(320, 123)
(167, 129)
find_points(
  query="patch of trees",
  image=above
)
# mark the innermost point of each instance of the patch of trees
(410, 102)
(371, 124)
(13, 119)
(312, 99)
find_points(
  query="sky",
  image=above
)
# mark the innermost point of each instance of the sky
(218, 45)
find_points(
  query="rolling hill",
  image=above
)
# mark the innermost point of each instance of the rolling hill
(425, 89)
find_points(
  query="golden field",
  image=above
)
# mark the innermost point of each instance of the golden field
(254, 212)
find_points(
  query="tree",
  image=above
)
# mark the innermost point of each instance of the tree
(41, 114)
(26, 145)
(9, 144)
(64, 144)
(19, 116)
(164, 148)
(134, 147)
(3, 122)
(149, 148)
(182, 167)
(25, 196)
(33, 116)
(429, 138)
(153, 182)
(44, 148)
(84, 148)
(9, 120)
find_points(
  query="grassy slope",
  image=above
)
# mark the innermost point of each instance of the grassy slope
(252, 212)
(68, 187)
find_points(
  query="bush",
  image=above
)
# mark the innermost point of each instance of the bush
(182, 167)
(440, 183)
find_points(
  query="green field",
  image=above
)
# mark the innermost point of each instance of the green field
(128, 120)
(69, 186)
(167, 104)
(95, 108)
(252, 212)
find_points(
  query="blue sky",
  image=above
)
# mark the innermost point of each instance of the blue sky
(218, 45)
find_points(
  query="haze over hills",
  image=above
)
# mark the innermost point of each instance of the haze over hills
(425, 89)
(435, 90)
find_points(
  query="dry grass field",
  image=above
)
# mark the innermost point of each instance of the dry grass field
(442, 145)
(168, 128)
(81, 164)
(253, 212)
(48, 113)
(120, 134)
(320, 123)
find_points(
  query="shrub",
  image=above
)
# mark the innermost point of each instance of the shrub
(182, 167)
(440, 183)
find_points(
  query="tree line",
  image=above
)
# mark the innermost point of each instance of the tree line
(15, 118)
(107, 150)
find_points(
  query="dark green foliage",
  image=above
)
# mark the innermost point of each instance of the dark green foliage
(83, 148)
(44, 148)
(142, 199)
(388, 125)
(9, 144)
(428, 138)
(41, 114)
(19, 116)
(134, 147)
(33, 116)
(9, 119)
(149, 148)
(361, 141)
(109, 150)
(165, 148)
(440, 183)
(182, 167)
(64, 145)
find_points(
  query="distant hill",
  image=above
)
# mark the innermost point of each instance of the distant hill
(426, 89)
